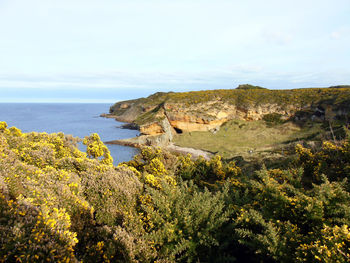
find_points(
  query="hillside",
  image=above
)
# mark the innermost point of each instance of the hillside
(194, 119)
(58, 204)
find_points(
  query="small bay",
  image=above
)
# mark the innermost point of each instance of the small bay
(78, 119)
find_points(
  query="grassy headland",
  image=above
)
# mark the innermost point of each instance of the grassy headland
(250, 121)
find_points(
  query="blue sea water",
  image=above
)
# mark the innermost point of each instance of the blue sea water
(78, 119)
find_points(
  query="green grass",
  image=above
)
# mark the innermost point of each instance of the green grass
(237, 138)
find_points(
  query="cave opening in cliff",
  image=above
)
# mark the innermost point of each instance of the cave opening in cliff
(178, 131)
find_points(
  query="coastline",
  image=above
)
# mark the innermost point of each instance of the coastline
(143, 140)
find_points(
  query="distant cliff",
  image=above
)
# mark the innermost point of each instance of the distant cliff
(206, 110)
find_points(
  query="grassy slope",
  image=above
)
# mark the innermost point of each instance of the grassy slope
(237, 138)
(333, 96)
(254, 97)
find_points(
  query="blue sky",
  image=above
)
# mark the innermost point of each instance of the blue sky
(108, 50)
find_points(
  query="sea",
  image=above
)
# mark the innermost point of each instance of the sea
(77, 119)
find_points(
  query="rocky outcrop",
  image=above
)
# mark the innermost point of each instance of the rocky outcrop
(185, 125)
(152, 129)
(127, 111)
(209, 116)
(155, 134)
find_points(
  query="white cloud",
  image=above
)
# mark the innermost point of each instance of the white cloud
(178, 81)
(335, 34)
(342, 32)
(277, 37)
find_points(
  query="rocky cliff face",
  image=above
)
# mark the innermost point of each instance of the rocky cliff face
(211, 115)
(167, 113)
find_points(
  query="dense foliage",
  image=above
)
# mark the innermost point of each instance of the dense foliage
(60, 204)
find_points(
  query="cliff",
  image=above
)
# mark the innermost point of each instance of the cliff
(169, 113)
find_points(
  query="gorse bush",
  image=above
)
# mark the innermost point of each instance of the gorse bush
(280, 218)
(207, 173)
(185, 222)
(272, 118)
(95, 149)
(332, 160)
(58, 204)
(38, 201)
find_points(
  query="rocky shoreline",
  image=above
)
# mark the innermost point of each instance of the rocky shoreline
(185, 150)
(162, 140)
(133, 142)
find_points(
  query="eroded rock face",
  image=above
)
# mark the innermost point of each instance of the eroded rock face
(203, 117)
(211, 115)
(158, 133)
(186, 126)
(152, 129)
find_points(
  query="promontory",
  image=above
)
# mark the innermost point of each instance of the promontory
(162, 116)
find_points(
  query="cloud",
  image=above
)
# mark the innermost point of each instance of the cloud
(119, 80)
(115, 85)
(246, 68)
(335, 35)
(277, 37)
(110, 80)
(340, 33)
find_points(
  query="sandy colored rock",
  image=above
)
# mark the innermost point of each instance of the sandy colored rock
(151, 129)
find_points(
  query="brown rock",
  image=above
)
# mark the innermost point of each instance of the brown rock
(151, 129)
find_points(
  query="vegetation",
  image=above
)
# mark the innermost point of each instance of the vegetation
(248, 87)
(341, 86)
(253, 139)
(58, 204)
(244, 96)
(273, 118)
(150, 116)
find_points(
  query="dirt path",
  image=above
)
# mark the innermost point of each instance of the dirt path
(184, 150)
(139, 141)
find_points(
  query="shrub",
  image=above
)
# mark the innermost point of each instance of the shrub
(186, 222)
(44, 213)
(332, 160)
(273, 118)
(248, 87)
(59, 204)
(210, 173)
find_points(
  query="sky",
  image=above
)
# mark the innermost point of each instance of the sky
(110, 50)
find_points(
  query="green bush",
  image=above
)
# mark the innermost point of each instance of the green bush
(186, 222)
(273, 118)
(248, 87)
(60, 204)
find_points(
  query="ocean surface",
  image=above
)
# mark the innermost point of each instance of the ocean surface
(78, 119)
